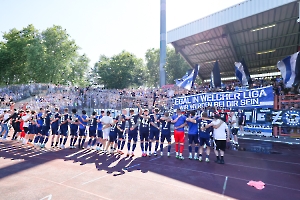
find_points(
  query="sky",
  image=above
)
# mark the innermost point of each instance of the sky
(107, 26)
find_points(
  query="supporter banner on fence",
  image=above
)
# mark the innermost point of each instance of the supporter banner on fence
(258, 97)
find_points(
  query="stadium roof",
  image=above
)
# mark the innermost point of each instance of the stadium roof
(261, 32)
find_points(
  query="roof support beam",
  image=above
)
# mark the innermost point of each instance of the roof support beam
(274, 38)
(272, 48)
(205, 52)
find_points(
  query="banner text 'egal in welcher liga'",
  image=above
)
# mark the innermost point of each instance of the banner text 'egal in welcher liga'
(258, 97)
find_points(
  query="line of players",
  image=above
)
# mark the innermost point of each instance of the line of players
(105, 131)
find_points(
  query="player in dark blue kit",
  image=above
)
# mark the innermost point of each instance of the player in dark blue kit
(204, 135)
(241, 121)
(32, 127)
(99, 131)
(121, 138)
(54, 127)
(64, 128)
(113, 134)
(193, 135)
(74, 122)
(92, 130)
(154, 130)
(45, 128)
(133, 121)
(39, 127)
(144, 130)
(82, 129)
(165, 132)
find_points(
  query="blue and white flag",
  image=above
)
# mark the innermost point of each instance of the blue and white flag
(242, 73)
(289, 68)
(215, 76)
(187, 81)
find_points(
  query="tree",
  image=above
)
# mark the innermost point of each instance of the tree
(47, 57)
(175, 67)
(119, 71)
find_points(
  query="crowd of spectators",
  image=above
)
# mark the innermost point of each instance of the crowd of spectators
(42, 95)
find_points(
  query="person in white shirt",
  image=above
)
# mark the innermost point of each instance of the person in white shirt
(4, 131)
(220, 137)
(25, 119)
(107, 122)
(234, 127)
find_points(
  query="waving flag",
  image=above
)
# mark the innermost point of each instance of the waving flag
(242, 73)
(215, 77)
(290, 70)
(187, 81)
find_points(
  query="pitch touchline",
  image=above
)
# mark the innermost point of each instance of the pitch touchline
(71, 187)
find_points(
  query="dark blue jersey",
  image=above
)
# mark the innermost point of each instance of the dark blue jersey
(74, 119)
(203, 123)
(121, 122)
(93, 123)
(133, 121)
(165, 127)
(47, 120)
(40, 119)
(113, 129)
(64, 119)
(241, 116)
(56, 116)
(144, 125)
(152, 119)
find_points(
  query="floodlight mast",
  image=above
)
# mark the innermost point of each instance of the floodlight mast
(163, 43)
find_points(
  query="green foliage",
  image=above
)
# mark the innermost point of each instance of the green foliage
(119, 71)
(175, 67)
(46, 57)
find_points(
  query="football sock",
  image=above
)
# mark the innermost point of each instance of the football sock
(123, 143)
(169, 148)
(146, 146)
(196, 149)
(156, 146)
(133, 147)
(94, 141)
(181, 148)
(90, 141)
(142, 146)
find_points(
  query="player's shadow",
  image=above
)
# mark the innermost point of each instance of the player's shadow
(31, 157)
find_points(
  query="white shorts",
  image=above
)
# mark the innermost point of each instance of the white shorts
(106, 133)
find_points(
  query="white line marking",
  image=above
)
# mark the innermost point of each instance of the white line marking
(155, 158)
(225, 184)
(72, 188)
(76, 175)
(49, 197)
(95, 179)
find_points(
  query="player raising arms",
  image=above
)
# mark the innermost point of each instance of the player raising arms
(179, 122)
(154, 130)
(165, 132)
